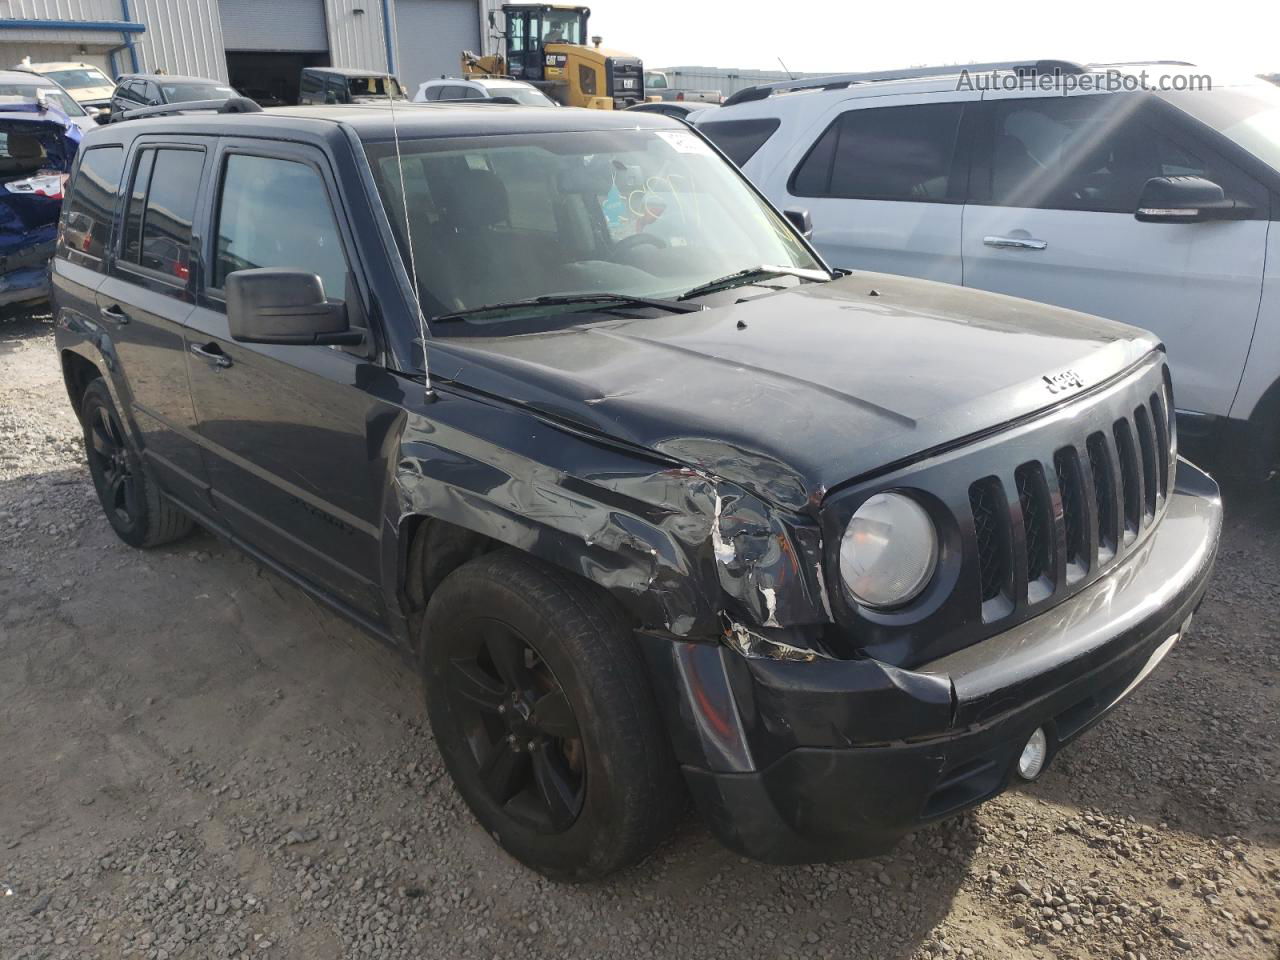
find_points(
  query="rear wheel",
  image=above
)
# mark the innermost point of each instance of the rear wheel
(137, 512)
(541, 709)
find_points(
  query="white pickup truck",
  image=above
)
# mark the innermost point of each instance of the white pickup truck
(657, 86)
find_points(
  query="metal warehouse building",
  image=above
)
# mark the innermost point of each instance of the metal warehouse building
(257, 45)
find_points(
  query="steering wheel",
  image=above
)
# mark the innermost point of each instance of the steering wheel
(627, 244)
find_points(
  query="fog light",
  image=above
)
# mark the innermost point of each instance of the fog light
(1033, 755)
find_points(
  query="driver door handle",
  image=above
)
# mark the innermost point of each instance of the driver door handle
(211, 352)
(1015, 243)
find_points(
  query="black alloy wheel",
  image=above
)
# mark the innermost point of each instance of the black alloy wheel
(519, 726)
(110, 460)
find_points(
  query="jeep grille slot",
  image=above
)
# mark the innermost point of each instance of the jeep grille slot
(1075, 518)
(1147, 449)
(1164, 448)
(1037, 528)
(1102, 466)
(1130, 478)
(992, 533)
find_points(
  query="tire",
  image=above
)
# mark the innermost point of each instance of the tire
(132, 502)
(516, 658)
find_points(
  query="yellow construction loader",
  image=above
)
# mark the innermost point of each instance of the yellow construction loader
(545, 44)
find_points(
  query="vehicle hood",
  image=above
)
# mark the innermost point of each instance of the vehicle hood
(792, 393)
(93, 95)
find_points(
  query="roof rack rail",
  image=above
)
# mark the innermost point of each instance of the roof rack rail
(231, 105)
(840, 81)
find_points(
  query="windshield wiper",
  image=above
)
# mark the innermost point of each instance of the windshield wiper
(751, 275)
(569, 300)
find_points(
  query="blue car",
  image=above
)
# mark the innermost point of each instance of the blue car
(38, 144)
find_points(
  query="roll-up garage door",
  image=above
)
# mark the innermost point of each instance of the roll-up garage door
(296, 25)
(430, 38)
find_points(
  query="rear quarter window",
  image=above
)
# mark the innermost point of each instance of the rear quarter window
(740, 139)
(91, 204)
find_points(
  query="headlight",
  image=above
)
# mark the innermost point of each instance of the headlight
(889, 551)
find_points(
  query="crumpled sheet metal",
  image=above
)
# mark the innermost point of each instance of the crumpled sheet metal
(687, 552)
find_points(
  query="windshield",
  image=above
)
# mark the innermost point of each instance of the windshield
(375, 87)
(1249, 116)
(562, 26)
(80, 78)
(526, 95)
(655, 81)
(176, 92)
(26, 93)
(649, 213)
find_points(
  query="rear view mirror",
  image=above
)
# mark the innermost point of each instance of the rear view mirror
(801, 220)
(273, 305)
(1186, 200)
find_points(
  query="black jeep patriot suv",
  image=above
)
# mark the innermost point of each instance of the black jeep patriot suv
(558, 403)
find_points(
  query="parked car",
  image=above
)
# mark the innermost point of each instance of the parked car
(657, 86)
(38, 144)
(139, 91)
(25, 87)
(501, 90)
(842, 554)
(1148, 207)
(681, 111)
(90, 87)
(334, 85)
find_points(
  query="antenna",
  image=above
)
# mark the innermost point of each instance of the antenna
(413, 260)
(786, 69)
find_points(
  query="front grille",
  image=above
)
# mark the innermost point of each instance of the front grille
(1076, 511)
(990, 523)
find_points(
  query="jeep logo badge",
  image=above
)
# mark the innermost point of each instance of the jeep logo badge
(1064, 381)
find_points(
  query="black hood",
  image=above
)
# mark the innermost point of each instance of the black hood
(793, 393)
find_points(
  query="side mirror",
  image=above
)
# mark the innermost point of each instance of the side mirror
(274, 305)
(1186, 200)
(801, 220)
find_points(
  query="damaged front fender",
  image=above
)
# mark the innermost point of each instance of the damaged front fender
(686, 552)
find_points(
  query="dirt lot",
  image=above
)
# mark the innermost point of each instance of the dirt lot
(196, 760)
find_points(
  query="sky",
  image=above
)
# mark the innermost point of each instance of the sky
(850, 36)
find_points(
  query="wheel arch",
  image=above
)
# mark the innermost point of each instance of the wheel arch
(78, 371)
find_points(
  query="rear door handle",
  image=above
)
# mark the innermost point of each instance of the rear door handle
(1015, 243)
(211, 352)
(113, 314)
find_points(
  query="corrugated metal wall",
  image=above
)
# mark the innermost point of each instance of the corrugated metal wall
(726, 79)
(62, 10)
(183, 36)
(357, 39)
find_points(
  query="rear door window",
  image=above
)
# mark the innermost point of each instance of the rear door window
(739, 139)
(274, 212)
(162, 205)
(885, 153)
(90, 206)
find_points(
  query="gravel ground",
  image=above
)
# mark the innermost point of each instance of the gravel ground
(196, 760)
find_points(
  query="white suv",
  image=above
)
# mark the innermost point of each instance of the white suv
(1149, 204)
(450, 89)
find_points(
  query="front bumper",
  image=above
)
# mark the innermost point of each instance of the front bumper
(794, 762)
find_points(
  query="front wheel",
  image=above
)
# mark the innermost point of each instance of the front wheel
(540, 705)
(137, 512)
